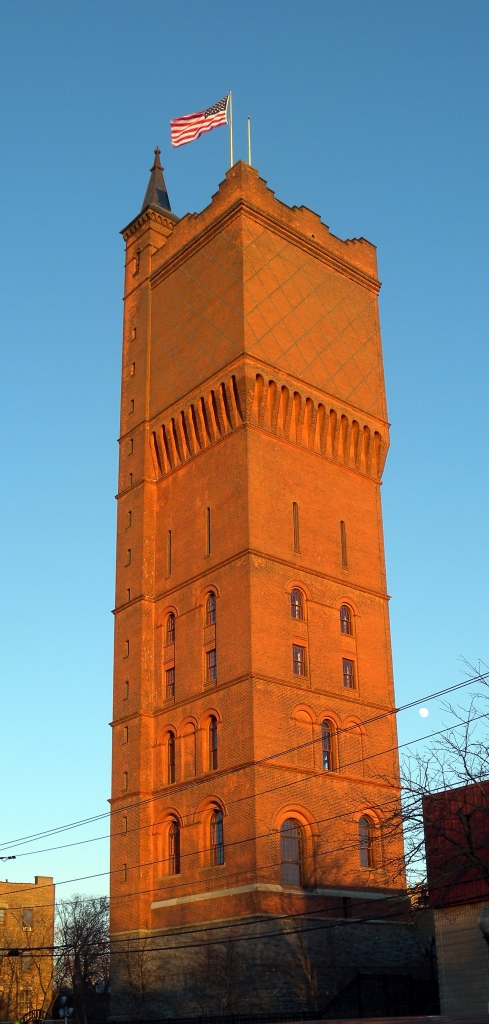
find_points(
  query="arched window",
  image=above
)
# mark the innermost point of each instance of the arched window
(365, 840)
(217, 838)
(212, 743)
(327, 745)
(174, 849)
(296, 604)
(291, 852)
(171, 757)
(170, 629)
(346, 620)
(210, 609)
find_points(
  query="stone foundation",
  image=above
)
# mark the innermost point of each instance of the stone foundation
(255, 967)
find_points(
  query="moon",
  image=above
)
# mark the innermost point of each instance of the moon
(424, 712)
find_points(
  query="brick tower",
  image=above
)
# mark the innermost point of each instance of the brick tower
(254, 759)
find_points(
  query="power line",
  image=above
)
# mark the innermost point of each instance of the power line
(271, 757)
(251, 838)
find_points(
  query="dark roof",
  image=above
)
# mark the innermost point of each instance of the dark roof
(156, 194)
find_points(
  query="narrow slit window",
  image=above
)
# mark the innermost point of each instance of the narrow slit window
(128, 556)
(291, 852)
(171, 758)
(210, 609)
(130, 479)
(131, 407)
(327, 745)
(170, 683)
(130, 448)
(217, 838)
(211, 665)
(296, 604)
(174, 849)
(124, 872)
(125, 780)
(124, 825)
(126, 734)
(170, 629)
(208, 531)
(127, 649)
(137, 261)
(299, 666)
(348, 674)
(128, 594)
(168, 553)
(213, 744)
(129, 519)
(346, 620)
(295, 519)
(344, 552)
(365, 842)
(126, 690)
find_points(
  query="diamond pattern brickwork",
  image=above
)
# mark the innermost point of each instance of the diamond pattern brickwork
(197, 318)
(310, 320)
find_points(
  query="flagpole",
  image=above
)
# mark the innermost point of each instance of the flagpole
(231, 156)
(249, 141)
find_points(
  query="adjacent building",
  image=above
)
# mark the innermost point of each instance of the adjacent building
(456, 824)
(26, 943)
(254, 741)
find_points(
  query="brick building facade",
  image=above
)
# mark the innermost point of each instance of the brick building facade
(27, 930)
(254, 748)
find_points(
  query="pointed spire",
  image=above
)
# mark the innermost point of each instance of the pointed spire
(156, 194)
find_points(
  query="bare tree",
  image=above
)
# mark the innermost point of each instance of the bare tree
(26, 971)
(456, 758)
(82, 954)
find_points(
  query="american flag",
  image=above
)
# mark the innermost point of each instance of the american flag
(187, 128)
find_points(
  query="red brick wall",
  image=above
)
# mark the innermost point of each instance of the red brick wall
(252, 356)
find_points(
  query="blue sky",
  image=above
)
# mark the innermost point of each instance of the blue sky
(373, 114)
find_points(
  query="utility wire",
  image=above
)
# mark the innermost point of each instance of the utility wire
(8, 844)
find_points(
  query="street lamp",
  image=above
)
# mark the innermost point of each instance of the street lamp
(483, 922)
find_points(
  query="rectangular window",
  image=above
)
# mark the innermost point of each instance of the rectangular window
(128, 594)
(348, 673)
(130, 479)
(2, 915)
(211, 665)
(126, 690)
(208, 531)
(130, 449)
(344, 553)
(168, 553)
(27, 917)
(124, 872)
(127, 649)
(124, 825)
(170, 683)
(299, 665)
(128, 556)
(132, 405)
(133, 369)
(26, 962)
(295, 517)
(134, 332)
(129, 519)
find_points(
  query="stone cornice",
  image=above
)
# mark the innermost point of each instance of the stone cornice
(167, 220)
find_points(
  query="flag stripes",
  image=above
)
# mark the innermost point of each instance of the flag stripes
(186, 129)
